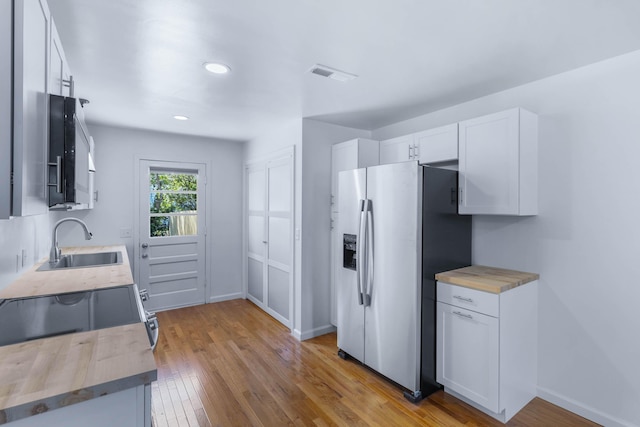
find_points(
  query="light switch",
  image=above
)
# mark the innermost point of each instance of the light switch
(125, 233)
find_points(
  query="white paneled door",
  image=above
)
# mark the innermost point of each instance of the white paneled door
(269, 191)
(170, 257)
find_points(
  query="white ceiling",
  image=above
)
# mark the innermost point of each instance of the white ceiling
(139, 62)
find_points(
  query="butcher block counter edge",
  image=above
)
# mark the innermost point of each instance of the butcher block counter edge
(50, 373)
(488, 279)
(38, 283)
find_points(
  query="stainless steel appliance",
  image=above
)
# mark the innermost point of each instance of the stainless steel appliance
(400, 227)
(25, 319)
(70, 163)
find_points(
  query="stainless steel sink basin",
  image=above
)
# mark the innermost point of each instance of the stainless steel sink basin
(25, 319)
(83, 260)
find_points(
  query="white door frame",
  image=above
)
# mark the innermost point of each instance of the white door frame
(135, 253)
(289, 154)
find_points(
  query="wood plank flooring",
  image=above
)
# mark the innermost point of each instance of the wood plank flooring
(230, 364)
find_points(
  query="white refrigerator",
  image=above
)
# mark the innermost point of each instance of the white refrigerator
(385, 286)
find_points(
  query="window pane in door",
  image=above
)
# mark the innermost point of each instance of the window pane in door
(173, 181)
(173, 225)
(173, 202)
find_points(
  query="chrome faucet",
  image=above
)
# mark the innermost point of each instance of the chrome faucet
(54, 253)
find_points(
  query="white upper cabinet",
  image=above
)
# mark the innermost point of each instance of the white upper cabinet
(30, 106)
(399, 149)
(5, 109)
(429, 146)
(59, 74)
(437, 145)
(498, 164)
(353, 154)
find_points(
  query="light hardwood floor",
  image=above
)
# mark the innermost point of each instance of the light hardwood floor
(230, 364)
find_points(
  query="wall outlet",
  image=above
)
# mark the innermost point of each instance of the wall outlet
(125, 233)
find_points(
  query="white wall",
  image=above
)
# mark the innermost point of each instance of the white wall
(585, 242)
(284, 136)
(116, 150)
(29, 233)
(317, 139)
(312, 141)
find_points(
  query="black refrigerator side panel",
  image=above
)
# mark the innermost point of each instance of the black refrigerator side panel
(56, 149)
(446, 245)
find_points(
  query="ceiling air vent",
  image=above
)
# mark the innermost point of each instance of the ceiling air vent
(332, 73)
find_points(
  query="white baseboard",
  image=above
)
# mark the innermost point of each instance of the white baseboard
(220, 298)
(316, 332)
(581, 409)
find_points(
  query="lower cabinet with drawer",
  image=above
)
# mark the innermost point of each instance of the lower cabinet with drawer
(487, 347)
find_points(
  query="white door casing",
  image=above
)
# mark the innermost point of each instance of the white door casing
(171, 264)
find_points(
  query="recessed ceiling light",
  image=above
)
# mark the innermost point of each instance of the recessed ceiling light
(216, 68)
(181, 118)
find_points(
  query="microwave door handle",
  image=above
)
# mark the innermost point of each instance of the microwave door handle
(58, 183)
(360, 240)
(59, 174)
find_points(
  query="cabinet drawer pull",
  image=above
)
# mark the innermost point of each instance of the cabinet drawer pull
(466, 316)
(459, 298)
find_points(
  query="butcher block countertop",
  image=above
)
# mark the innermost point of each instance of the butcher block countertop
(37, 283)
(488, 279)
(41, 375)
(44, 374)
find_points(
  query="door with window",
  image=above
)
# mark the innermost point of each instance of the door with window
(172, 233)
(269, 192)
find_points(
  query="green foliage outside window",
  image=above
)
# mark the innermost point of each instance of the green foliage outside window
(172, 193)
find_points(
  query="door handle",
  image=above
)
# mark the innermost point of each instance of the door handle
(360, 247)
(145, 245)
(145, 255)
(368, 287)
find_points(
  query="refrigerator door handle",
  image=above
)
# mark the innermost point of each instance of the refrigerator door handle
(360, 251)
(368, 290)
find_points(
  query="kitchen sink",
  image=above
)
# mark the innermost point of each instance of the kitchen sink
(25, 319)
(83, 260)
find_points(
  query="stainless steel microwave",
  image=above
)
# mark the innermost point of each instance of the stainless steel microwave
(70, 165)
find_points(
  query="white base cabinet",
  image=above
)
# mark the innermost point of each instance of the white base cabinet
(127, 408)
(486, 347)
(352, 154)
